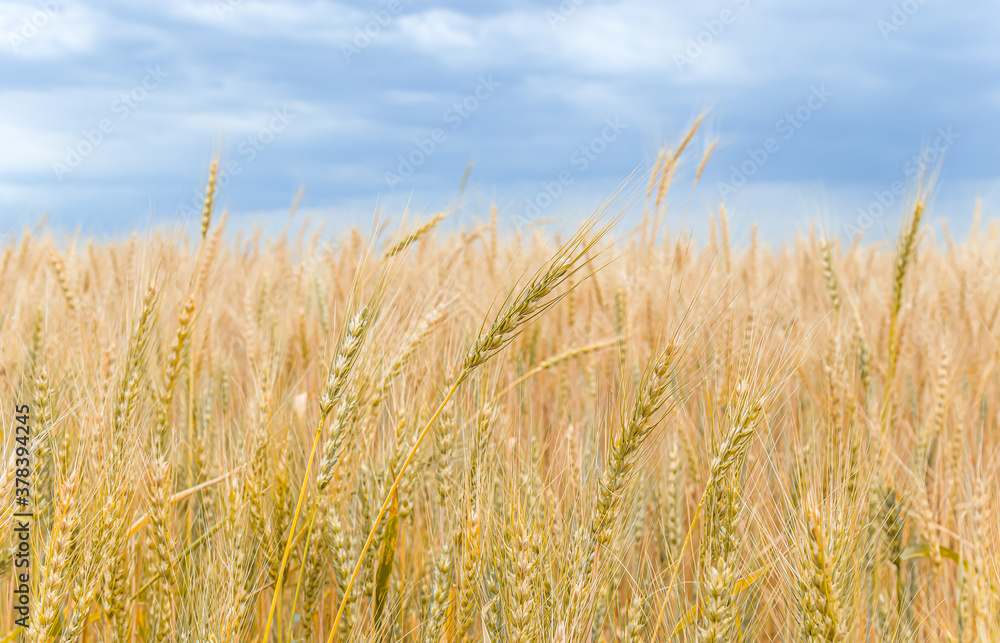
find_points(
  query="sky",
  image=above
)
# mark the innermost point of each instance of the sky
(824, 113)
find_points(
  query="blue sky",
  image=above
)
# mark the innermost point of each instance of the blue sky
(110, 111)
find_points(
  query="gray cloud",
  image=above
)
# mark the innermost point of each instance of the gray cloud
(233, 62)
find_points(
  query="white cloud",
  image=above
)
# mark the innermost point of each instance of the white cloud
(46, 30)
(314, 21)
(596, 39)
(26, 149)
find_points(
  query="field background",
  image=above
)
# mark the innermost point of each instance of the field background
(609, 434)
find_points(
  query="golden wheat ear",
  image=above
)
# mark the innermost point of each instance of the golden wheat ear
(298, 437)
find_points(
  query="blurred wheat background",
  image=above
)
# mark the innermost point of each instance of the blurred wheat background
(440, 434)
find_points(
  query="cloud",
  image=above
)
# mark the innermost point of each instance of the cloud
(51, 29)
(563, 68)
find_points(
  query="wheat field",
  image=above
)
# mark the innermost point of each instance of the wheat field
(431, 433)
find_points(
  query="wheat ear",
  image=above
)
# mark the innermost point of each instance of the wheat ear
(532, 302)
